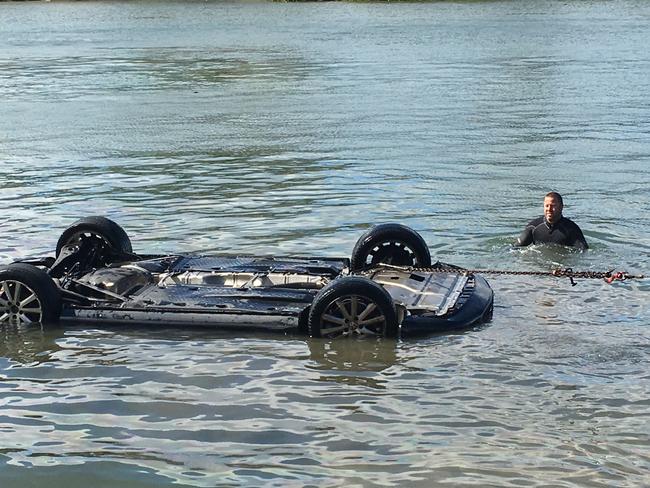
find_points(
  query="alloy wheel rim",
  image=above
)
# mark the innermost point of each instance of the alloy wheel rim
(19, 304)
(352, 315)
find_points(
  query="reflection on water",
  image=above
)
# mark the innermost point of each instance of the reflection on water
(354, 362)
(68, 78)
(27, 344)
(205, 408)
(289, 128)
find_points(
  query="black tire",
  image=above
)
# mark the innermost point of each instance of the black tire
(99, 227)
(28, 295)
(369, 310)
(390, 244)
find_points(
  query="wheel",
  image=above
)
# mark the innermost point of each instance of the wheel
(353, 306)
(27, 295)
(101, 228)
(390, 244)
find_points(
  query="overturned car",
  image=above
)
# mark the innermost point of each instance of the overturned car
(388, 287)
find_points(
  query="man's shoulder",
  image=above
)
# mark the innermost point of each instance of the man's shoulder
(569, 223)
(536, 221)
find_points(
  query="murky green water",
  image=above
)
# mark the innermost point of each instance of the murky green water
(278, 128)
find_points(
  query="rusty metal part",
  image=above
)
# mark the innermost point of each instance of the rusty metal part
(609, 276)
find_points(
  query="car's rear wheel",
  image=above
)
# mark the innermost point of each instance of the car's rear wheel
(390, 244)
(101, 229)
(27, 295)
(353, 306)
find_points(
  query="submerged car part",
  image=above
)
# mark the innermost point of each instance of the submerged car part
(380, 291)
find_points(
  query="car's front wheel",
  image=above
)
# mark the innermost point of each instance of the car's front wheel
(353, 306)
(28, 295)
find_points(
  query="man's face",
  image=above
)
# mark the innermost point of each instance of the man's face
(552, 209)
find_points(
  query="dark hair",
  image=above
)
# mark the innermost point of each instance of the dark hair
(556, 195)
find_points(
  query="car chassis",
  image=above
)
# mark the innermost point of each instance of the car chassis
(388, 287)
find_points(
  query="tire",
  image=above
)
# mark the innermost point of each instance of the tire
(28, 295)
(390, 244)
(100, 227)
(353, 306)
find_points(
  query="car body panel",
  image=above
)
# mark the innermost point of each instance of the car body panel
(96, 277)
(266, 292)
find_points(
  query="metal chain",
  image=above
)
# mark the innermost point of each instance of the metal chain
(608, 276)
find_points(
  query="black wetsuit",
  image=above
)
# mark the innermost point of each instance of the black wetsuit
(564, 232)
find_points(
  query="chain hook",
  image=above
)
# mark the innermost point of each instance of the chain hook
(620, 276)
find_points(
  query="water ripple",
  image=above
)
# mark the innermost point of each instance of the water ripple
(264, 128)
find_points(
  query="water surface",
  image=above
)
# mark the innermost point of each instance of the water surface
(290, 128)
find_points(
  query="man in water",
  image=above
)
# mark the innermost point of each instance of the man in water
(552, 227)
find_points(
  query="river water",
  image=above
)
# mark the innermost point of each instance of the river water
(291, 128)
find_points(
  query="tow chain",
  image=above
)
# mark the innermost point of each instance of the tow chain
(607, 276)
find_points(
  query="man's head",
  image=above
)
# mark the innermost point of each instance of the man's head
(553, 207)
